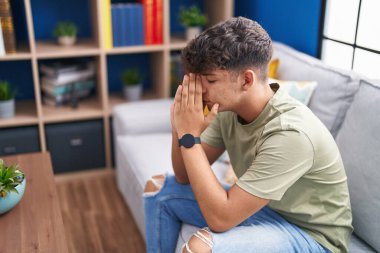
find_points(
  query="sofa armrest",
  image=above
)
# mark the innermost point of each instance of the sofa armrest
(142, 117)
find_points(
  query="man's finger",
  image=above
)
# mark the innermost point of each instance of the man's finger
(185, 92)
(177, 98)
(212, 114)
(192, 84)
(198, 93)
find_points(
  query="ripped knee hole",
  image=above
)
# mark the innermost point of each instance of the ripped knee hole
(197, 242)
(155, 183)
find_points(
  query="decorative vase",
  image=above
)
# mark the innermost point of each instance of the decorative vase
(12, 198)
(192, 32)
(133, 93)
(67, 40)
(7, 108)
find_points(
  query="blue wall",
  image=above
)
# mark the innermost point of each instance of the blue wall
(293, 22)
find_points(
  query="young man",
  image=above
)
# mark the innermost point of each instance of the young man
(291, 194)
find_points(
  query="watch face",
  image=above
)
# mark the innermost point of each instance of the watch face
(187, 141)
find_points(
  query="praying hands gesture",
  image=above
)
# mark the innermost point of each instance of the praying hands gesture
(187, 110)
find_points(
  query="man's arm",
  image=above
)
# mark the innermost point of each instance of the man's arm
(179, 168)
(222, 210)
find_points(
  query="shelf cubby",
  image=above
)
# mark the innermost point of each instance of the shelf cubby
(25, 115)
(89, 108)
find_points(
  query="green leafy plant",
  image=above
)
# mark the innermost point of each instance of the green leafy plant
(6, 91)
(131, 77)
(65, 28)
(192, 16)
(10, 177)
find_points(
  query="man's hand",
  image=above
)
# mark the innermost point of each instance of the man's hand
(188, 108)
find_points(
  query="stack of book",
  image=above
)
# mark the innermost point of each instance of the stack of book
(67, 83)
(7, 33)
(127, 24)
(153, 21)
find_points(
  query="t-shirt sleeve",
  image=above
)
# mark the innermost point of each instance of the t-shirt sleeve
(213, 135)
(282, 159)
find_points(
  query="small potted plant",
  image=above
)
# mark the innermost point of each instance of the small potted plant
(66, 33)
(132, 81)
(12, 186)
(193, 20)
(7, 100)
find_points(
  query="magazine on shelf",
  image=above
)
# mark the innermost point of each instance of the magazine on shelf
(54, 90)
(65, 98)
(70, 77)
(55, 69)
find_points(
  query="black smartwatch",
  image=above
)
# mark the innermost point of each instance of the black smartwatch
(188, 140)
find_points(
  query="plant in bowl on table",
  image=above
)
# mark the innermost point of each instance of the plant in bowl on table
(132, 81)
(12, 186)
(193, 20)
(66, 33)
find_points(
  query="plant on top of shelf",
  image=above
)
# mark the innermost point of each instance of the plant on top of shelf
(12, 186)
(193, 20)
(7, 100)
(132, 81)
(66, 32)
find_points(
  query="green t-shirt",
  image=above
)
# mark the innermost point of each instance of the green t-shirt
(288, 156)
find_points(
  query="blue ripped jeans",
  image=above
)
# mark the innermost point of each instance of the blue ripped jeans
(264, 232)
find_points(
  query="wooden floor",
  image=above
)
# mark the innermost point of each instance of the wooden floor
(96, 218)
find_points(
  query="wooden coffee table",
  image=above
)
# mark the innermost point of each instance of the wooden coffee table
(35, 224)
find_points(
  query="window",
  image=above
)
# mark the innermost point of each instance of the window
(351, 36)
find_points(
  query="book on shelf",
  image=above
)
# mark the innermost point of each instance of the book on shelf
(2, 49)
(158, 22)
(7, 27)
(126, 25)
(70, 77)
(139, 18)
(116, 32)
(148, 21)
(107, 24)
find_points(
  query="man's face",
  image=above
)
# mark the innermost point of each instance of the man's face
(219, 89)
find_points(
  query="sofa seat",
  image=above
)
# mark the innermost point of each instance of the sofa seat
(139, 157)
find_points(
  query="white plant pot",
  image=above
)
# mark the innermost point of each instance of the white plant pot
(192, 32)
(66, 40)
(133, 93)
(7, 108)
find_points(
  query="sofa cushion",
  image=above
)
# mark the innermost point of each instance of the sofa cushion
(335, 89)
(359, 144)
(300, 90)
(138, 117)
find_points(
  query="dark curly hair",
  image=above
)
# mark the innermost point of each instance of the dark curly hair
(234, 45)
